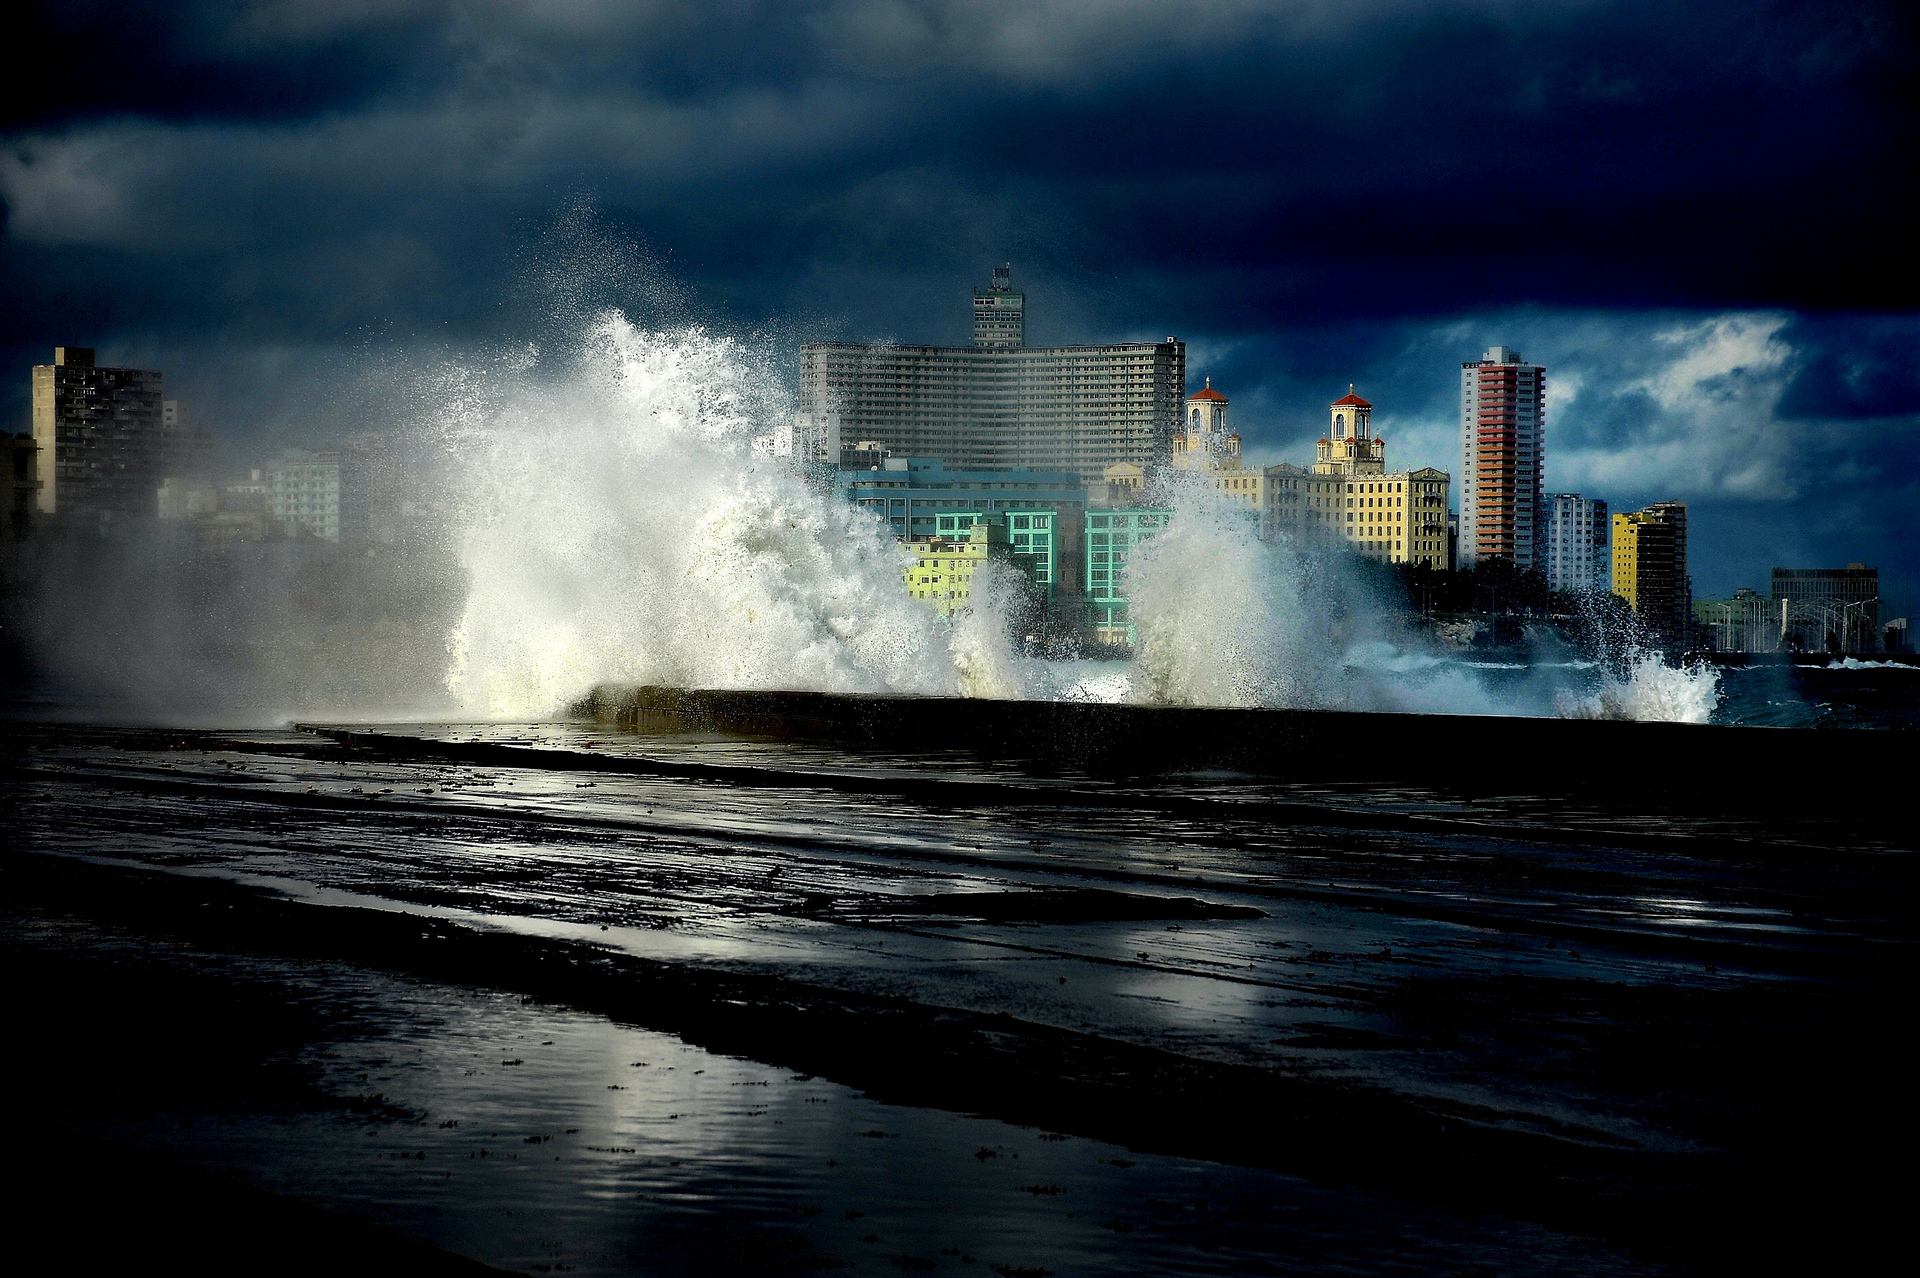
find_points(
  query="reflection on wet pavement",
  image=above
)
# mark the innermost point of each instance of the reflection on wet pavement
(1614, 978)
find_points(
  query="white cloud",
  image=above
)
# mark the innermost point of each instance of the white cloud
(1710, 391)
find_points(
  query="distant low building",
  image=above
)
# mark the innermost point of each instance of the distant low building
(1828, 609)
(322, 494)
(942, 570)
(802, 440)
(1742, 623)
(247, 491)
(1120, 484)
(183, 498)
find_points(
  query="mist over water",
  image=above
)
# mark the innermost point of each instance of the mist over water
(550, 520)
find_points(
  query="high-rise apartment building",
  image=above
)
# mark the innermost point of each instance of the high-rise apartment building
(1503, 429)
(1579, 557)
(1000, 403)
(20, 482)
(1348, 499)
(102, 446)
(188, 453)
(1650, 569)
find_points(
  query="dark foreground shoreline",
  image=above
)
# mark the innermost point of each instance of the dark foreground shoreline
(1769, 1064)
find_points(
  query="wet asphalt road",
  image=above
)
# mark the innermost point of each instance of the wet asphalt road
(1674, 993)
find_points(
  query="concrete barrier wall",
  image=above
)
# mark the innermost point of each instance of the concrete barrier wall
(1293, 744)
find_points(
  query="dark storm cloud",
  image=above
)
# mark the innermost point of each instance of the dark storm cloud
(1310, 192)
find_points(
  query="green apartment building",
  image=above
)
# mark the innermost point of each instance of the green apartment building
(1111, 537)
(1031, 537)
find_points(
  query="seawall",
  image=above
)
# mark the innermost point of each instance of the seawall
(1829, 765)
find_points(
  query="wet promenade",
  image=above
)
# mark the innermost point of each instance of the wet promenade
(569, 996)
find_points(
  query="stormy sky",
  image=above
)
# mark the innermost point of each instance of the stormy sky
(1698, 215)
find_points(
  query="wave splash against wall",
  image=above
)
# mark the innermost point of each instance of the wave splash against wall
(614, 527)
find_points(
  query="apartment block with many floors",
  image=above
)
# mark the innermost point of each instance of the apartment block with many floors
(1000, 403)
(1650, 569)
(1503, 433)
(103, 451)
(1579, 551)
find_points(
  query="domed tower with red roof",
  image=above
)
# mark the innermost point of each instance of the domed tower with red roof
(1349, 446)
(1203, 441)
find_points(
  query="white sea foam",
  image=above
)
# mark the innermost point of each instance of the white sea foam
(1854, 663)
(1650, 691)
(1217, 612)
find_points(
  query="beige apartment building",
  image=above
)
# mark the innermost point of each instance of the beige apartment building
(1349, 498)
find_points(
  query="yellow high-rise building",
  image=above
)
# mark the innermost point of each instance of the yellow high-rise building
(1650, 566)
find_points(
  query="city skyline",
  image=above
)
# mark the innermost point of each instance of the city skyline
(1723, 332)
(1762, 558)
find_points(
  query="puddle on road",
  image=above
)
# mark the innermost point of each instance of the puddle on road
(547, 1140)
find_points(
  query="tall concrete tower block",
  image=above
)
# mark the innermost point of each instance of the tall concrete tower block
(999, 313)
(102, 447)
(1503, 434)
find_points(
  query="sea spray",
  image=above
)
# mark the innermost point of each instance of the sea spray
(1217, 611)
(984, 660)
(615, 528)
(1648, 690)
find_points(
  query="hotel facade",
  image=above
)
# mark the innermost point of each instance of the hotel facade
(1349, 499)
(999, 403)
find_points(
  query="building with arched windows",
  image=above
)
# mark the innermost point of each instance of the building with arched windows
(1348, 499)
